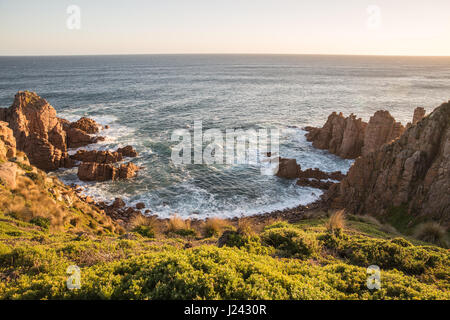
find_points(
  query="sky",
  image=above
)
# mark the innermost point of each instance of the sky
(360, 27)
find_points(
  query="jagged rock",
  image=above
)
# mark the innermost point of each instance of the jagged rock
(140, 205)
(382, 128)
(118, 203)
(314, 183)
(128, 151)
(43, 136)
(419, 114)
(77, 138)
(288, 168)
(127, 171)
(341, 136)
(412, 173)
(92, 171)
(37, 130)
(351, 137)
(97, 156)
(7, 142)
(320, 175)
(87, 125)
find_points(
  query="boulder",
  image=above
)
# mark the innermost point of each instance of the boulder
(86, 125)
(140, 205)
(8, 172)
(128, 151)
(288, 168)
(419, 114)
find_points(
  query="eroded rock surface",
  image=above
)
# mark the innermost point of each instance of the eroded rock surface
(411, 174)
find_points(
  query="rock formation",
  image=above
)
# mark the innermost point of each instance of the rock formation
(92, 171)
(419, 114)
(7, 142)
(341, 136)
(43, 136)
(97, 156)
(412, 173)
(315, 178)
(288, 168)
(351, 137)
(382, 128)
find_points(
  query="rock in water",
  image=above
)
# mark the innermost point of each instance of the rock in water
(87, 125)
(128, 151)
(351, 137)
(341, 136)
(92, 171)
(412, 173)
(288, 168)
(97, 156)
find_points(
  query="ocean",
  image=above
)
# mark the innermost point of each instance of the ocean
(144, 98)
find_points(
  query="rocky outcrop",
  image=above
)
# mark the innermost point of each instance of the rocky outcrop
(419, 114)
(341, 136)
(97, 156)
(37, 130)
(315, 178)
(86, 125)
(92, 171)
(7, 142)
(350, 137)
(412, 173)
(43, 136)
(288, 168)
(382, 128)
(128, 151)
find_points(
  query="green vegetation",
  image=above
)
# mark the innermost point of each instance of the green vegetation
(284, 261)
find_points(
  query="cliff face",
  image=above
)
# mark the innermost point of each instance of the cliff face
(382, 128)
(350, 137)
(412, 172)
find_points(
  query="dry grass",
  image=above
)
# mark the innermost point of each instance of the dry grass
(245, 227)
(180, 226)
(336, 221)
(214, 226)
(432, 232)
(141, 220)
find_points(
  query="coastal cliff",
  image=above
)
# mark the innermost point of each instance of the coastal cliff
(407, 179)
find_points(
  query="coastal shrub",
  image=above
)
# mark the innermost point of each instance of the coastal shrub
(432, 232)
(145, 231)
(208, 272)
(24, 166)
(42, 222)
(292, 242)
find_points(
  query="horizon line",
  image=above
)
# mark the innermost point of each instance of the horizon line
(217, 53)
